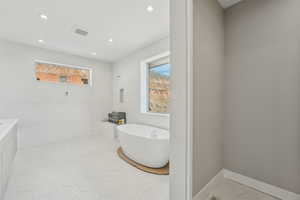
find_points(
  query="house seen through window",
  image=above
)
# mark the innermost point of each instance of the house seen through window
(159, 85)
(57, 73)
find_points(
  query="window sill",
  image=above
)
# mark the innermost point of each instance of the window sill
(156, 114)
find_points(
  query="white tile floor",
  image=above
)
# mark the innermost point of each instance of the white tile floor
(81, 169)
(89, 169)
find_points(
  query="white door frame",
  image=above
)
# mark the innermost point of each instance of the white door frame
(181, 127)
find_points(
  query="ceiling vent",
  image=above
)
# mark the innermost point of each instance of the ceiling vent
(81, 32)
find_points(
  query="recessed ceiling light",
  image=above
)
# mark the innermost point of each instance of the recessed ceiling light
(150, 9)
(110, 40)
(43, 16)
(94, 53)
(41, 41)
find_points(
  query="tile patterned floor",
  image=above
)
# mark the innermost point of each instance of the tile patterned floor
(81, 169)
(89, 169)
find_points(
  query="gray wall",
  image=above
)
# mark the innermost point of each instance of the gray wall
(262, 129)
(45, 113)
(129, 71)
(208, 91)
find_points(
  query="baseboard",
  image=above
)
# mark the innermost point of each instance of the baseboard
(247, 181)
(261, 186)
(202, 194)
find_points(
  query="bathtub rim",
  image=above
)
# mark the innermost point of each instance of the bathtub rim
(7, 124)
(165, 132)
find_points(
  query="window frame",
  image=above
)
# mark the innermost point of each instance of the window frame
(144, 104)
(65, 65)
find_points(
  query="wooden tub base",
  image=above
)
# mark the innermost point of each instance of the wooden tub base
(159, 171)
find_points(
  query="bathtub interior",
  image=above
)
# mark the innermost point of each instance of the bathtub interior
(145, 131)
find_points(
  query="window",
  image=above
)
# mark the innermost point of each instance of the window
(156, 84)
(59, 73)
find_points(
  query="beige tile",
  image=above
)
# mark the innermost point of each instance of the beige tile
(229, 190)
(250, 194)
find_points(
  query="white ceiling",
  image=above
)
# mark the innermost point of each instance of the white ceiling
(126, 21)
(228, 3)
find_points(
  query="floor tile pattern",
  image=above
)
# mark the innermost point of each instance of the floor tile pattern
(81, 169)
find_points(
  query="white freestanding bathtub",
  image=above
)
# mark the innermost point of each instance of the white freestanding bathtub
(145, 145)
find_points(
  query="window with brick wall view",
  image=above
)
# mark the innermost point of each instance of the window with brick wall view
(159, 86)
(55, 73)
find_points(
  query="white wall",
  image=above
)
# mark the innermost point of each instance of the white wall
(262, 130)
(208, 92)
(129, 70)
(45, 113)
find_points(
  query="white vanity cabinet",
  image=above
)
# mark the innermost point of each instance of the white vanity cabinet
(8, 149)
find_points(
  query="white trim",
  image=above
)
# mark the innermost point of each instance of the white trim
(156, 114)
(156, 57)
(181, 118)
(70, 66)
(249, 182)
(190, 97)
(261, 186)
(203, 192)
(144, 84)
